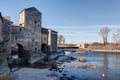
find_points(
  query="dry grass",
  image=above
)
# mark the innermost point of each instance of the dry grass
(83, 67)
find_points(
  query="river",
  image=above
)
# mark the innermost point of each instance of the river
(99, 66)
(105, 66)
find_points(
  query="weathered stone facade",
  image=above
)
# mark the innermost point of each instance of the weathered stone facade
(5, 32)
(30, 27)
(44, 46)
(49, 40)
(4, 47)
(52, 40)
(28, 34)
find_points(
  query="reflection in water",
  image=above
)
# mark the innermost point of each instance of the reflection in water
(105, 62)
(105, 66)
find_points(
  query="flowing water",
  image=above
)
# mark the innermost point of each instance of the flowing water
(100, 66)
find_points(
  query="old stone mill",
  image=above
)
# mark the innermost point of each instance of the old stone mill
(28, 39)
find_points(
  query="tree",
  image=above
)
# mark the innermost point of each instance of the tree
(61, 39)
(116, 36)
(104, 33)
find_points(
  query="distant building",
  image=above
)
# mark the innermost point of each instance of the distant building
(83, 45)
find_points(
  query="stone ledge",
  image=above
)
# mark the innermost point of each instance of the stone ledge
(4, 72)
(6, 76)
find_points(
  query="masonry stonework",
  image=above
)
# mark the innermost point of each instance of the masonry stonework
(28, 34)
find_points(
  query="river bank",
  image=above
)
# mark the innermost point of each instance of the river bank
(95, 68)
(99, 50)
(99, 47)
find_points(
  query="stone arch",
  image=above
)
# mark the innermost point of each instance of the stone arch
(18, 49)
(14, 49)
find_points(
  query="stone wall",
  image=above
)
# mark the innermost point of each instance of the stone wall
(52, 40)
(4, 48)
(5, 37)
(28, 34)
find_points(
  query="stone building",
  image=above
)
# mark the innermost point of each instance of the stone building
(49, 40)
(44, 46)
(28, 35)
(5, 32)
(30, 26)
(52, 40)
(83, 45)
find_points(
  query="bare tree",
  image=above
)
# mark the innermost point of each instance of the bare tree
(61, 39)
(116, 36)
(104, 33)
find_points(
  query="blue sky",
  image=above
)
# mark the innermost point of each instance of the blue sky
(78, 20)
